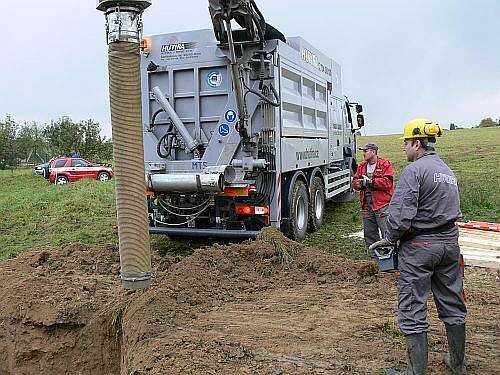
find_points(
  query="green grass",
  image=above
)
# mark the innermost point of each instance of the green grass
(341, 220)
(474, 156)
(34, 213)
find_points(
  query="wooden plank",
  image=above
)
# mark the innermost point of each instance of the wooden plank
(480, 225)
(479, 243)
(481, 257)
(482, 253)
(494, 236)
(482, 263)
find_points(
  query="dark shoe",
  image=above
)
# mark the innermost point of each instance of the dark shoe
(416, 352)
(455, 358)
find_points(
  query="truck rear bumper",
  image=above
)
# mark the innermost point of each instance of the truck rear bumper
(196, 232)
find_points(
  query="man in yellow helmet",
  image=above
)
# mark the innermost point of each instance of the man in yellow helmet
(421, 217)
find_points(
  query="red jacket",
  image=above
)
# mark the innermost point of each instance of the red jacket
(382, 183)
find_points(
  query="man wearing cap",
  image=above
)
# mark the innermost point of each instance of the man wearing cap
(421, 217)
(374, 180)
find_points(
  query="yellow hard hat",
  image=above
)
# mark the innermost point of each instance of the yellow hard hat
(421, 128)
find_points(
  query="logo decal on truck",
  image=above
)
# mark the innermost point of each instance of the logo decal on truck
(175, 47)
(312, 59)
(214, 79)
(307, 154)
(174, 50)
(199, 165)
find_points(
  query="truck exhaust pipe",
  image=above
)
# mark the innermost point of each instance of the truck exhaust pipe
(212, 180)
(123, 31)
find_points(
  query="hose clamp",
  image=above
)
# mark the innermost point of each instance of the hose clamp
(136, 280)
(123, 19)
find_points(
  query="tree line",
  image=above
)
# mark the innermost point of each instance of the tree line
(33, 143)
(488, 123)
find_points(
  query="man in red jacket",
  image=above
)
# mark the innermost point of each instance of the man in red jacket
(374, 180)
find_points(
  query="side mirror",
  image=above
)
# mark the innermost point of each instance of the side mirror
(361, 120)
(359, 108)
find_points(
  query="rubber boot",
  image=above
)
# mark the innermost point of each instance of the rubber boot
(416, 351)
(455, 358)
(416, 355)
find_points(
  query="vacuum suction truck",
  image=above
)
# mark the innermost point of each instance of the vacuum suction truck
(243, 128)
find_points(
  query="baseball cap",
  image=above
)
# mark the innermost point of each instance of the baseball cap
(369, 146)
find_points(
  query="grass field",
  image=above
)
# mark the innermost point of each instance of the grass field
(474, 156)
(34, 213)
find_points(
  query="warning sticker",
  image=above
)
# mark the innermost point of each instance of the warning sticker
(230, 115)
(214, 79)
(224, 129)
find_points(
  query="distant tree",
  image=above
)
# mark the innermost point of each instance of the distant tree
(66, 137)
(63, 136)
(91, 139)
(30, 140)
(105, 153)
(487, 123)
(452, 126)
(8, 152)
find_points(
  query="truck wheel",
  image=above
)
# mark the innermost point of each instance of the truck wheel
(317, 205)
(299, 211)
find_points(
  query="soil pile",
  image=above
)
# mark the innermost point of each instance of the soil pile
(269, 306)
(57, 309)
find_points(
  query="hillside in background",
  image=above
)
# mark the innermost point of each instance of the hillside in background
(36, 214)
(474, 156)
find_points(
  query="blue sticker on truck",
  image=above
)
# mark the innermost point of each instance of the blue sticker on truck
(224, 129)
(230, 115)
(214, 78)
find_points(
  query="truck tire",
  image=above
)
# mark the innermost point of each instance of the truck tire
(299, 211)
(317, 204)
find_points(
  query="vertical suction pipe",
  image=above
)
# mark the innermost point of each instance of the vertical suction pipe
(123, 31)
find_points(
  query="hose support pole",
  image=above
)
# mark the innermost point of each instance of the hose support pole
(123, 32)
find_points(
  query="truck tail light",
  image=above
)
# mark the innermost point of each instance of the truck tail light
(241, 209)
(145, 45)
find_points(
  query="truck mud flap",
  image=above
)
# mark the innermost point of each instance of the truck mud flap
(194, 232)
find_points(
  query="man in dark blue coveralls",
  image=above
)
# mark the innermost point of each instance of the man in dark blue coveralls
(421, 216)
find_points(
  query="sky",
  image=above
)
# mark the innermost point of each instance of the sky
(400, 58)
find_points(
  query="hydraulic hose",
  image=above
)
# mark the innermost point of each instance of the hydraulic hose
(123, 29)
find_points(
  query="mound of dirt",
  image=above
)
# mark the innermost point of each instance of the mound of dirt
(270, 306)
(57, 305)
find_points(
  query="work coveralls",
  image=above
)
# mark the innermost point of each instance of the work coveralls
(422, 216)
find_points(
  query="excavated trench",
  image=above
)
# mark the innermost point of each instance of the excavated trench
(60, 313)
(265, 307)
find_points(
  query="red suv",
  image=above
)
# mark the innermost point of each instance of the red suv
(64, 170)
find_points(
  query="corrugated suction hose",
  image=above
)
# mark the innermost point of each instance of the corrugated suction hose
(131, 205)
